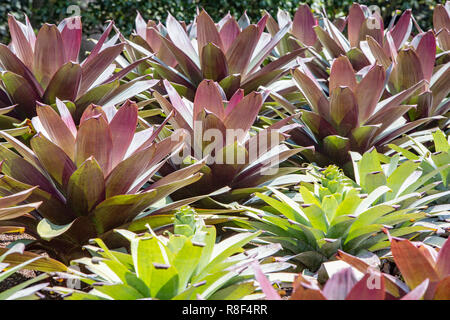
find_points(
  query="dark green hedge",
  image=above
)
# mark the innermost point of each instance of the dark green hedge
(95, 13)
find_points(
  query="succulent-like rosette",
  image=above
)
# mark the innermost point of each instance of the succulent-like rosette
(91, 179)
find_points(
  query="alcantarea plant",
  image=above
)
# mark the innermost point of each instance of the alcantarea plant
(183, 266)
(441, 26)
(25, 290)
(89, 178)
(45, 67)
(334, 213)
(372, 285)
(409, 59)
(220, 131)
(348, 115)
(236, 54)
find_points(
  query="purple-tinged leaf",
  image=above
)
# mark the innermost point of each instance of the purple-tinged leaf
(21, 93)
(208, 97)
(86, 187)
(266, 286)
(92, 111)
(64, 84)
(261, 24)
(318, 124)
(20, 41)
(235, 99)
(343, 110)
(18, 168)
(241, 50)
(369, 90)
(373, 26)
(179, 175)
(119, 209)
(178, 103)
(15, 198)
(189, 67)
(207, 32)
(332, 46)
(426, 52)
(178, 121)
(10, 62)
(244, 114)
(66, 116)
(367, 288)
(123, 127)
(122, 73)
(54, 159)
(180, 39)
(94, 139)
(342, 74)
(22, 149)
(340, 285)
(228, 33)
(378, 52)
(214, 64)
(443, 290)
(141, 26)
(127, 171)
(439, 85)
(275, 65)
(127, 91)
(56, 129)
(267, 49)
(418, 292)
(94, 67)
(391, 283)
(357, 58)
(356, 19)
(230, 84)
(100, 42)
(443, 260)
(413, 265)
(312, 92)
(441, 18)
(407, 71)
(402, 29)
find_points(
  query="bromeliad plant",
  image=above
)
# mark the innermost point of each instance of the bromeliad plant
(348, 115)
(89, 178)
(45, 67)
(25, 290)
(335, 213)
(236, 54)
(236, 158)
(441, 25)
(430, 158)
(186, 266)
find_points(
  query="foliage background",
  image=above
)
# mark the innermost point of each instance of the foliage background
(95, 13)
